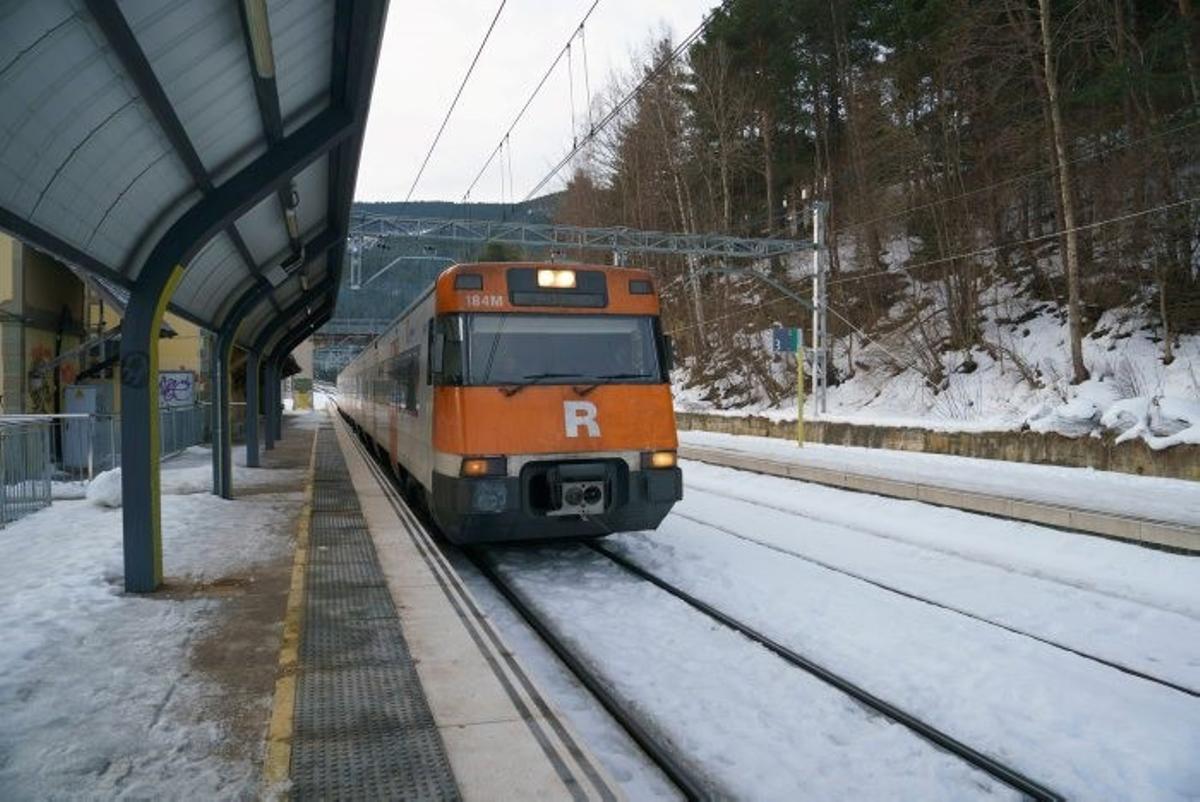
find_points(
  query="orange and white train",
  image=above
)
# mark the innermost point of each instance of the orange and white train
(525, 401)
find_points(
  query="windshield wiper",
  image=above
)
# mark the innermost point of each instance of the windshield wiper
(608, 377)
(535, 378)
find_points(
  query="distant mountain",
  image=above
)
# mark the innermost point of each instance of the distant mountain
(397, 271)
(538, 210)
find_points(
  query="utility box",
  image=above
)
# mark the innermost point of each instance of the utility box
(89, 442)
(302, 393)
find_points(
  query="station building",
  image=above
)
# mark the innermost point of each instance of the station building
(60, 331)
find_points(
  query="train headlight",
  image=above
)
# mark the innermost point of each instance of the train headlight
(658, 459)
(475, 467)
(556, 279)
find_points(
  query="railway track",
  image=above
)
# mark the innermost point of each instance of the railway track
(1121, 667)
(995, 768)
(687, 781)
(673, 766)
(809, 515)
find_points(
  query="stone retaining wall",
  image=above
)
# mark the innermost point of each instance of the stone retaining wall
(1179, 462)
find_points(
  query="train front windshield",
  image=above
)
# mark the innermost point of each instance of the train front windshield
(549, 349)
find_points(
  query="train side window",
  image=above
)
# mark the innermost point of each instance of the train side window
(446, 350)
(429, 352)
(396, 376)
(410, 383)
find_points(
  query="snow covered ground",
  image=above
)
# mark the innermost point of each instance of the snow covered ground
(752, 725)
(638, 777)
(1131, 394)
(1170, 500)
(97, 696)
(967, 621)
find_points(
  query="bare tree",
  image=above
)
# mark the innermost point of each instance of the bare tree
(724, 101)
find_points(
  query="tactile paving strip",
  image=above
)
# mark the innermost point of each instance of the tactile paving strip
(363, 729)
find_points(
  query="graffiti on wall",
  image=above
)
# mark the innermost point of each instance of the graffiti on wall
(176, 388)
(41, 378)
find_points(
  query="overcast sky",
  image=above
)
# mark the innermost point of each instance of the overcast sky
(427, 47)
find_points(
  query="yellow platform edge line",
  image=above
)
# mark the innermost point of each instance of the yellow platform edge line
(277, 764)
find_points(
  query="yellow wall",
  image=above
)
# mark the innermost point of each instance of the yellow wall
(48, 287)
(11, 349)
(181, 352)
(40, 290)
(8, 253)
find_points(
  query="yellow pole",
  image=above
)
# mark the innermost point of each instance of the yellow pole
(799, 390)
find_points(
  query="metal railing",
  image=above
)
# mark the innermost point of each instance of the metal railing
(25, 468)
(83, 445)
(38, 450)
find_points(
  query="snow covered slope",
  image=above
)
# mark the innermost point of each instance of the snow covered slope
(1021, 380)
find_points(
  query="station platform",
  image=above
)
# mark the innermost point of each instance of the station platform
(392, 682)
(1144, 510)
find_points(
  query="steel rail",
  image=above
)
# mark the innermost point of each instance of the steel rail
(1124, 669)
(682, 778)
(1005, 774)
(686, 780)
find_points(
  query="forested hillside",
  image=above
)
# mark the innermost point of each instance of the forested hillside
(1013, 192)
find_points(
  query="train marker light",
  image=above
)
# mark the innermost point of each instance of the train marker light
(557, 279)
(483, 466)
(658, 459)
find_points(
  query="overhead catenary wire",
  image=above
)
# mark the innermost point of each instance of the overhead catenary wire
(629, 98)
(511, 186)
(445, 120)
(941, 260)
(587, 85)
(1017, 243)
(503, 196)
(530, 100)
(1092, 154)
(571, 92)
(1086, 157)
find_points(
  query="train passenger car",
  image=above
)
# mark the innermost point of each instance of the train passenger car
(525, 401)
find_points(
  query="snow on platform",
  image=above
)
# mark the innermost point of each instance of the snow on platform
(953, 616)
(100, 692)
(1173, 501)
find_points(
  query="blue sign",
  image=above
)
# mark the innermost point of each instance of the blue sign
(786, 339)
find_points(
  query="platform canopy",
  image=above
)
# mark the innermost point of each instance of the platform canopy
(120, 116)
(197, 155)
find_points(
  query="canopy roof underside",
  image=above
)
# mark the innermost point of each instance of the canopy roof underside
(120, 116)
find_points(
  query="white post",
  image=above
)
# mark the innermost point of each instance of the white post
(820, 344)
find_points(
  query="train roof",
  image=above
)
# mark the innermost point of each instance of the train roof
(515, 287)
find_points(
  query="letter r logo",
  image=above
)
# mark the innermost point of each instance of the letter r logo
(580, 413)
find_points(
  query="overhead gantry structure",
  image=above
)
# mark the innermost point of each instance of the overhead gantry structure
(202, 156)
(367, 228)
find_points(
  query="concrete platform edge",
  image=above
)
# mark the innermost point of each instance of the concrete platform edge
(278, 759)
(1134, 530)
(503, 738)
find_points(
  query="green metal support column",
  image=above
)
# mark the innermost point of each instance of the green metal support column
(223, 437)
(270, 391)
(152, 289)
(252, 362)
(257, 294)
(140, 436)
(296, 317)
(215, 416)
(284, 346)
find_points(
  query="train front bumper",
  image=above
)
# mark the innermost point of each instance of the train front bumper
(508, 508)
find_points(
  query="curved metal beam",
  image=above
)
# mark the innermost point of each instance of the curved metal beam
(281, 350)
(143, 317)
(222, 453)
(124, 44)
(254, 295)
